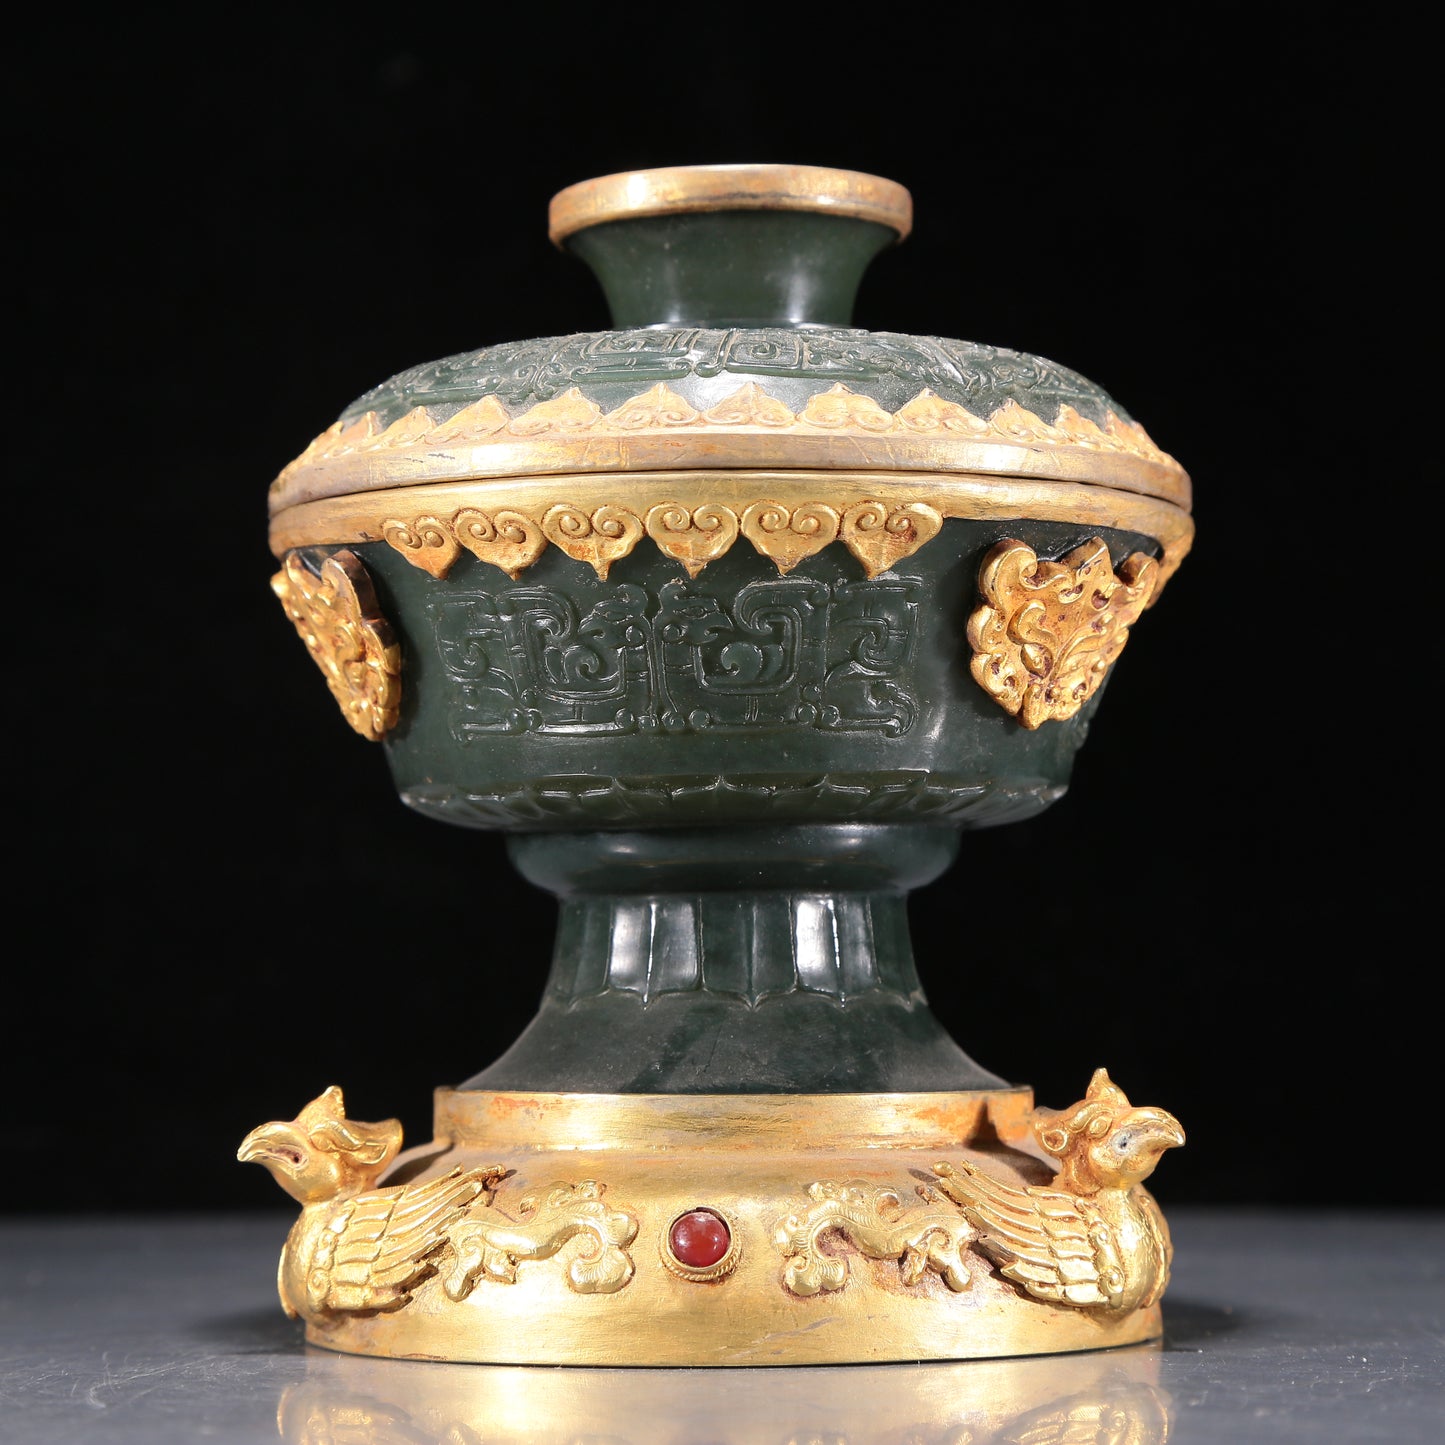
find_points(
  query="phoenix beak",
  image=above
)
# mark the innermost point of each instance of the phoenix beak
(1162, 1125)
(270, 1141)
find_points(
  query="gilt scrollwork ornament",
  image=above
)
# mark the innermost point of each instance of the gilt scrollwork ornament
(825, 422)
(505, 538)
(931, 1236)
(789, 535)
(337, 616)
(693, 536)
(881, 519)
(660, 406)
(750, 405)
(1048, 632)
(881, 534)
(598, 538)
(492, 1246)
(362, 1249)
(425, 542)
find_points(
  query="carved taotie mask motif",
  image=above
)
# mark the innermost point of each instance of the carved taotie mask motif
(782, 653)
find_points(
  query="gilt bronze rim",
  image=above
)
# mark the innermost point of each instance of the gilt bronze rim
(671, 190)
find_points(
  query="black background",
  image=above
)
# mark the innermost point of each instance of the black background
(232, 225)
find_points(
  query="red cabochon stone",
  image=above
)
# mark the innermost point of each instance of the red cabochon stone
(699, 1238)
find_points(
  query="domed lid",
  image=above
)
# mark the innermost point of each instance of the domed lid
(732, 289)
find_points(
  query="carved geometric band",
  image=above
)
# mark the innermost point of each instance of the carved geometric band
(696, 516)
(605, 801)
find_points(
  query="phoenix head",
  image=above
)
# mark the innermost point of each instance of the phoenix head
(1103, 1142)
(321, 1154)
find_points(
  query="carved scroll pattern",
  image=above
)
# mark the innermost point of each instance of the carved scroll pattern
(782, 653)
(1009, 395)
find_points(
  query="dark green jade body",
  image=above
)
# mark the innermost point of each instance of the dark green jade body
(730, 781)
(732, 268)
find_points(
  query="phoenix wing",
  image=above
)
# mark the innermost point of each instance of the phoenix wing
(1055, 1245)
(376, 1248)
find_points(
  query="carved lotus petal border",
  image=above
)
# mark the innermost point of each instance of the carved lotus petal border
(337, 616)
(1048, 632)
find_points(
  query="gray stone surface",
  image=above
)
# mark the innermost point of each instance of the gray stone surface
(1280, 1327)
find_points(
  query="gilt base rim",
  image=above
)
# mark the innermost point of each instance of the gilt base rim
(840, 1251)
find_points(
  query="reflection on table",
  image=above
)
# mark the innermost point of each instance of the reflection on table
(1111, 1396)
